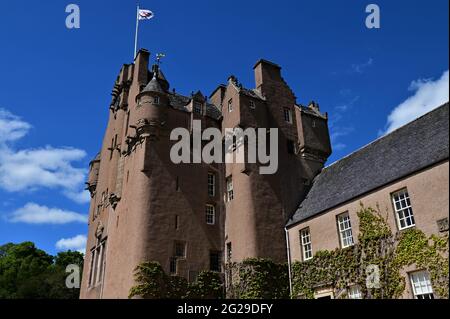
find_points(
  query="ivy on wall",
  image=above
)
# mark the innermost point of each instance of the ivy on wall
(154, 283)
(339, 269)
(377, 245)
(257, 279)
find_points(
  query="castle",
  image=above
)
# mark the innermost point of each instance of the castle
(194, 217)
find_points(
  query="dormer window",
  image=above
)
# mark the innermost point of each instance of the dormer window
(288, 115)
(197, 108)
(156, 100)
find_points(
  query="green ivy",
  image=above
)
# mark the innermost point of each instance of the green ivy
(377, 245)
(263, 279)
(256, 278)
(154, 283)
(414, 248)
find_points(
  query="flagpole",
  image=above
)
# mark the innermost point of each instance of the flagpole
(137, 31)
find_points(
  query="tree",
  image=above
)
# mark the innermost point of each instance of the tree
(27, 272)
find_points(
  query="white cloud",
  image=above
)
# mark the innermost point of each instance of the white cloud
(45, 167)
(79, 197)
(11, 127)
(33, 213)
(428, 95)
(344, 107)
(338, 132)
(77, 243)
(361, 67)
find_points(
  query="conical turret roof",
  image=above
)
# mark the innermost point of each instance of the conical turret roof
(153, 86)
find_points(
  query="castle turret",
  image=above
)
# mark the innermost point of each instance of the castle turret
(314, 138)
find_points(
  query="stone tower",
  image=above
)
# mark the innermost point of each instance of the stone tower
(193, 217)
(261, 204)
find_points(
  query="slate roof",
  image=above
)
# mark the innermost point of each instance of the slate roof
(407, 150)
(311, 111)
(153, 86)
(253, 93)
(180, 102)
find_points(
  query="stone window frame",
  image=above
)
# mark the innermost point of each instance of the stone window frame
(211, 184)
(210, 214)
(345, 230)
(401, 202)
(98, 263)
(306, 244)
(156, 100)
(287, 115)
(421, 286)
(230, 105)
(197, 108)
(176, 250)
(230, 188)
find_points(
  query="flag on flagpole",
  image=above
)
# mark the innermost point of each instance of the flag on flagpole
(145, 14)
(142, 14)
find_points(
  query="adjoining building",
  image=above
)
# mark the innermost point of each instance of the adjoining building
(405, 174)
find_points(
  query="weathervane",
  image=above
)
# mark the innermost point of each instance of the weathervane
(159, 56)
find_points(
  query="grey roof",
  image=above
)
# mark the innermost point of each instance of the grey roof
(253, 93)
(405, 151)
(153, 86)
(180, 102)
(311, 111)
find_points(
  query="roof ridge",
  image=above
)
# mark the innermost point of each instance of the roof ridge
(385, 136)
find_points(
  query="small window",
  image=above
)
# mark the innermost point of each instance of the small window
(229, 252)
(230, 189)
(211, 184)
(177, 222)
(215, 261)
(173, 266)
(210, 215)
(156, 100)
(197, 108)
(345, 230)
(305, 238)
(177, 184)
(288, 115)
(403, 209)
(421, 285)
(230, 105)
(354, 292)
(180, 250)
(252, 105)
(128, 123)
(98, 263)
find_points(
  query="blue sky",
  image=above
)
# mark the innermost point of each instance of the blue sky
(55, 83)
